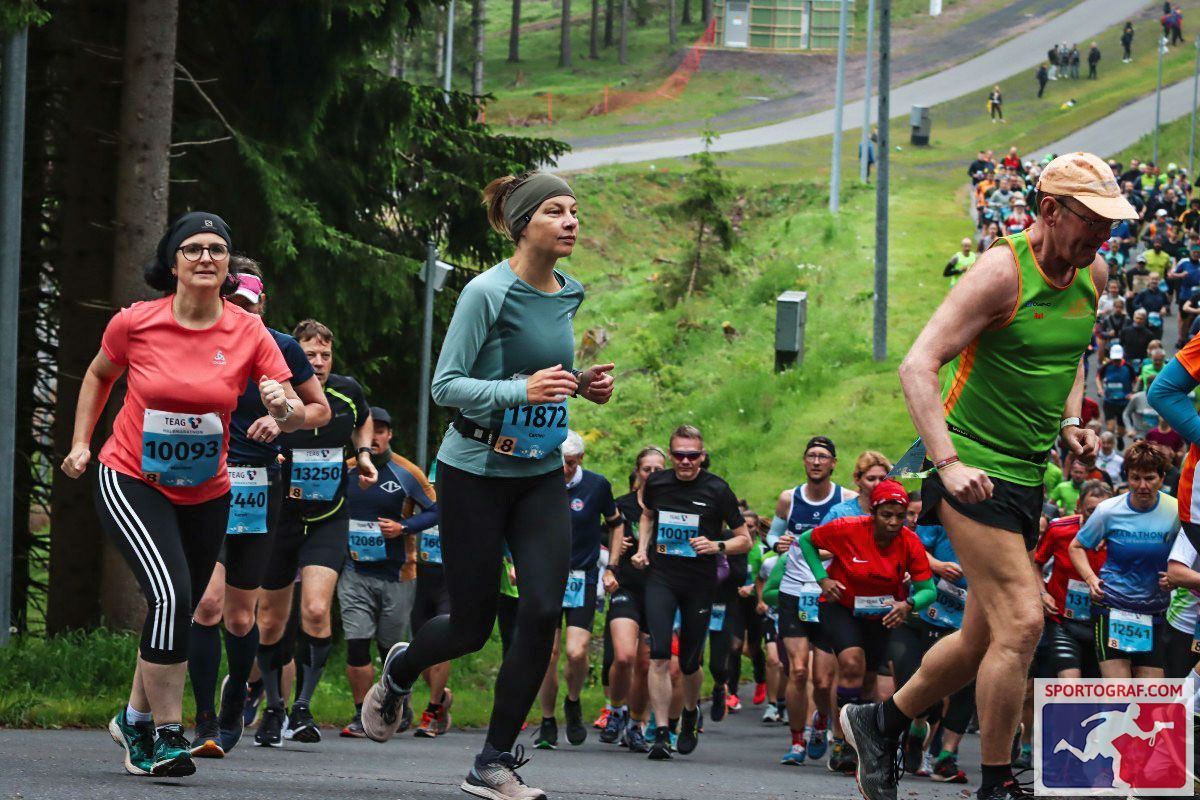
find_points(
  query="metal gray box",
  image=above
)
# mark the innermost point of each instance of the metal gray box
(922, 124)
(791, 315)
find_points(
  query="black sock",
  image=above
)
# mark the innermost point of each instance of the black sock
(689, 719)
(486, 756)
(358, 708)
(267, 654)
(239, 653)
(318, 649)
(891, 720)
(662, 734)
(995, 775)
(204, 661)
(673, 724)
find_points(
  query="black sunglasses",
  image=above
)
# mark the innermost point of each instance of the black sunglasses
(687, 455)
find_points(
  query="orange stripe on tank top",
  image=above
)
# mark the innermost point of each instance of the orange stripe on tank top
(1187, 477)
(965, 362)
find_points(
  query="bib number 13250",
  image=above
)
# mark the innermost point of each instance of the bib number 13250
(532, 431)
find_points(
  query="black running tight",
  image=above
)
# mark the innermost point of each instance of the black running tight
(477, 515)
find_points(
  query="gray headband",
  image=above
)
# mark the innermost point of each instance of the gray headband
(528, 196)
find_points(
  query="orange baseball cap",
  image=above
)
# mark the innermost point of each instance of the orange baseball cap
(1090, 181)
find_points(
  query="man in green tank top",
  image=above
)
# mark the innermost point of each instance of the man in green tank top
(1009, 341)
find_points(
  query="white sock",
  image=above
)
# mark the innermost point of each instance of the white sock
(133, 716)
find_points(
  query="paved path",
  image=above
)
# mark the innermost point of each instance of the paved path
(1019, 54)
(737, 760)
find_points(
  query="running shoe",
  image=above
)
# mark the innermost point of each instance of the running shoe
(1025, 759)
(443, 717)
(783, 714)
(172, 758)
(760, 694)
(614, 728)
(602, 720)
(386, 705)
(354, 729)
(661, 749)
(818, 740)
(498, 779)
(231, 717)
(634, 739)
(926, 768)
(914, 747)
(137, 740)
(688, 738)
(207, 741)
(576, 730)
(254, 700)
(945, 770)
(718, 703)
(1011, 789)
(770, 715)
(427, 729)
(270, 727)
(303, 726)
(840, 758)
(879, 759)
(794, 756)
(546, 735)
(733, 704)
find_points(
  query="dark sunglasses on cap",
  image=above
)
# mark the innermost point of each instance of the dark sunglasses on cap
(687, 455)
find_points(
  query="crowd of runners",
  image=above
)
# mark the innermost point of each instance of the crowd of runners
(247, 485)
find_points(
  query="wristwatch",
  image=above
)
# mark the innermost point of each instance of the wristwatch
(721, 546)
(1070, 422)
(287, 415)
(362, 450)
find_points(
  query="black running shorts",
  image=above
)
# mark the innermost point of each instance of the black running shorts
(1012, 507)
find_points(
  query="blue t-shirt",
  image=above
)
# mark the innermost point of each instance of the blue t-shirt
(1117, 378)
(1138, 545)
(403, 494)
(847, 508)
(937, 543)
(250, 407)
(591, 503)
(1191, 278)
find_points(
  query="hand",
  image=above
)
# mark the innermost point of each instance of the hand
(704, 546)
(898, 614)
(1096, 589)
(390, 528)
(1049, 607)
(596, 383)
(949, 570)
(760, 608)
(640, 560)
(1083, 441)
(77, 460)
(1165, 583)
(610, 581)
(263, 429)
(832, 589)
(551, 385)
(367, 474)
(966, 484)
(273, 396)
(785, 543)
(744, 591)
(628, 545)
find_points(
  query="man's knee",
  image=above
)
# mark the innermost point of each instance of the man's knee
(314, 612)
(798, 676)
(1021, 631)
(577, 653)
(208, 610)
(239, 621)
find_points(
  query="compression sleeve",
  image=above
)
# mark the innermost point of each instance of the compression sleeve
(778, 528)
(1169, 397)
(924, 594)
(812, 557)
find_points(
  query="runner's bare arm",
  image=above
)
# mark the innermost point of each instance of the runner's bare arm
(93, 394)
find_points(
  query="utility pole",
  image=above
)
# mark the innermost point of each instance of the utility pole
(881, 183)
(864, 147)
(835, 173)
(449, 52)
(12, 143)
(1195, 97)
(426, 358)
(1162, 46)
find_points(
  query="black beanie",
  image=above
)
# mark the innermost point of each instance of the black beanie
(186, 225)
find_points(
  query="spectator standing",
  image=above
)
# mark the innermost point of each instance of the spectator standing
(1136, 338)
(1127, 43)
(1176, 27)
(1114, 383)
(1042, 76)
(1052, 58)
(996, 103)
(1093, 60)
(1073, 62)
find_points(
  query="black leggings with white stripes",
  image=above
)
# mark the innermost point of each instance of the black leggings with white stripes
(171, 550)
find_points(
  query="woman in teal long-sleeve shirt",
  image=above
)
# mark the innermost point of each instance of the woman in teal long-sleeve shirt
(506, 366)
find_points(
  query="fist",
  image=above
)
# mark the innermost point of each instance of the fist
(77, 460)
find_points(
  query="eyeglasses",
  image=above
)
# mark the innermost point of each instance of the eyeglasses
(192, 252)
(687, 455)
(818, 457)
(1094, 224)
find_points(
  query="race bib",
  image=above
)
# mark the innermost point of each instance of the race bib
(532, 431)
(675, 532)
(1078, 605)
(772, 613)
(573, 597)
(366, 541)
(810, 602)
(430, 551)
(247, 501)
(716, 619)
(180, 449)
(1154, 319)
(947, 609)
(316, 474)
(1129, 632)
(1114, 391)
(876, 606)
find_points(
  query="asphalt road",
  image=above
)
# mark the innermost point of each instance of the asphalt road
(738, 759)
(1016, 55)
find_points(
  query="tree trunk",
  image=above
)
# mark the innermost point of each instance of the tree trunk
(84, 271)
(706, 11)
(610, 13)
(564, 48)
(623, 50)
(696, 260)
(439, 52)
(686, 19)
(395, 60)
(594, 31)
(143, 166)
(477, 19)
(514, 34)
(672, 28)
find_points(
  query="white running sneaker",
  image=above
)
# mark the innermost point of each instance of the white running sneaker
(498, 780)
(384, 707)
(770, 714)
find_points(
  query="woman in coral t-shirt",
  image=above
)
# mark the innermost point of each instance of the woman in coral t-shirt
(163, 490)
